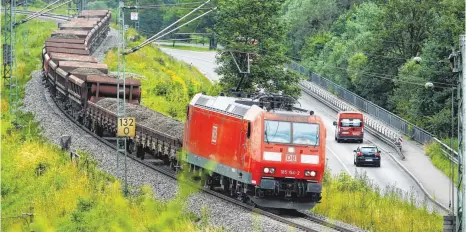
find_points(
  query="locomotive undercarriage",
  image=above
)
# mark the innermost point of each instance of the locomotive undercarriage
(286, 193)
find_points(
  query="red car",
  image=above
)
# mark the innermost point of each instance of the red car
(349, 126)
(274, 158)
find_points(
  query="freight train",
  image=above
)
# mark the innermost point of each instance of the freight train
(261, 149)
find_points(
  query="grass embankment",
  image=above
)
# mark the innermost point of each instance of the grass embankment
(43, 191)
(168, 85)
(434, 151)
(356, 201)
(30, 38)
(39, 178)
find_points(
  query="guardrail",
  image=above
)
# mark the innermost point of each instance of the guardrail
(414, 132)
(372, 126)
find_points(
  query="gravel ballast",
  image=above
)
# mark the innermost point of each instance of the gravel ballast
(147, 117)
(54, 125)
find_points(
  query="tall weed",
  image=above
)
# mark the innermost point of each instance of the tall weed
(359, 202)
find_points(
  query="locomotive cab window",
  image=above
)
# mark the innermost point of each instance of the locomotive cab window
(277, 132)
(306, 133)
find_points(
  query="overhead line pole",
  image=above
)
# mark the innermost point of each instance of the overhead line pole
(461, 190)
(9, 58)
(121, 101)
(121, 89)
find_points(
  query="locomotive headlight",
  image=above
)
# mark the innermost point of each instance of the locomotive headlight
(291, 149)
(310, 173)
(266, 170)
(272, 170)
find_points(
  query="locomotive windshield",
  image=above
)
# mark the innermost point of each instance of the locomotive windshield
(305, 133)
(280, 132)
(277, 132)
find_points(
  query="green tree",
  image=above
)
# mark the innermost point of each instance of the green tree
(239, 23)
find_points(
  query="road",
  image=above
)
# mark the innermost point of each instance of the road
(204, 61)
(339, 155)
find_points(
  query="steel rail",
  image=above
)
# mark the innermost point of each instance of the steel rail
(173, 175)
(169, 173)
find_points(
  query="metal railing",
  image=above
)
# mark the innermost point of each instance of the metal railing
(412, 131)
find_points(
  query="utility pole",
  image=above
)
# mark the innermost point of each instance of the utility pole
(460, 219)
(137, 20)
(9, 57)
(121, 105)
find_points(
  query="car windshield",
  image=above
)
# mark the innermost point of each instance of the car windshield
(305, 133)
(351, 122)
(368, 150)
(277, 131)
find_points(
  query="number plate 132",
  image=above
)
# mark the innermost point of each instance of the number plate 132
(126, 127)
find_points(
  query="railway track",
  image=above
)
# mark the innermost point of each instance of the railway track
(169, 173)
(172, 174)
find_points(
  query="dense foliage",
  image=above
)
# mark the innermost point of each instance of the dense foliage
(254, 27)
(369, 49)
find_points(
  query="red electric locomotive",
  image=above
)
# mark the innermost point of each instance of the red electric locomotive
(260, 149)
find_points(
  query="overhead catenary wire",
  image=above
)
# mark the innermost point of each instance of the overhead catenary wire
(393, 78)
(154, 39)
(38, 15)
(371, 74)
(147, 41)
(172, 4)
(43, 9)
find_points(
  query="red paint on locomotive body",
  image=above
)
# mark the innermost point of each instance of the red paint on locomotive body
(259, 149)
(297, 155)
